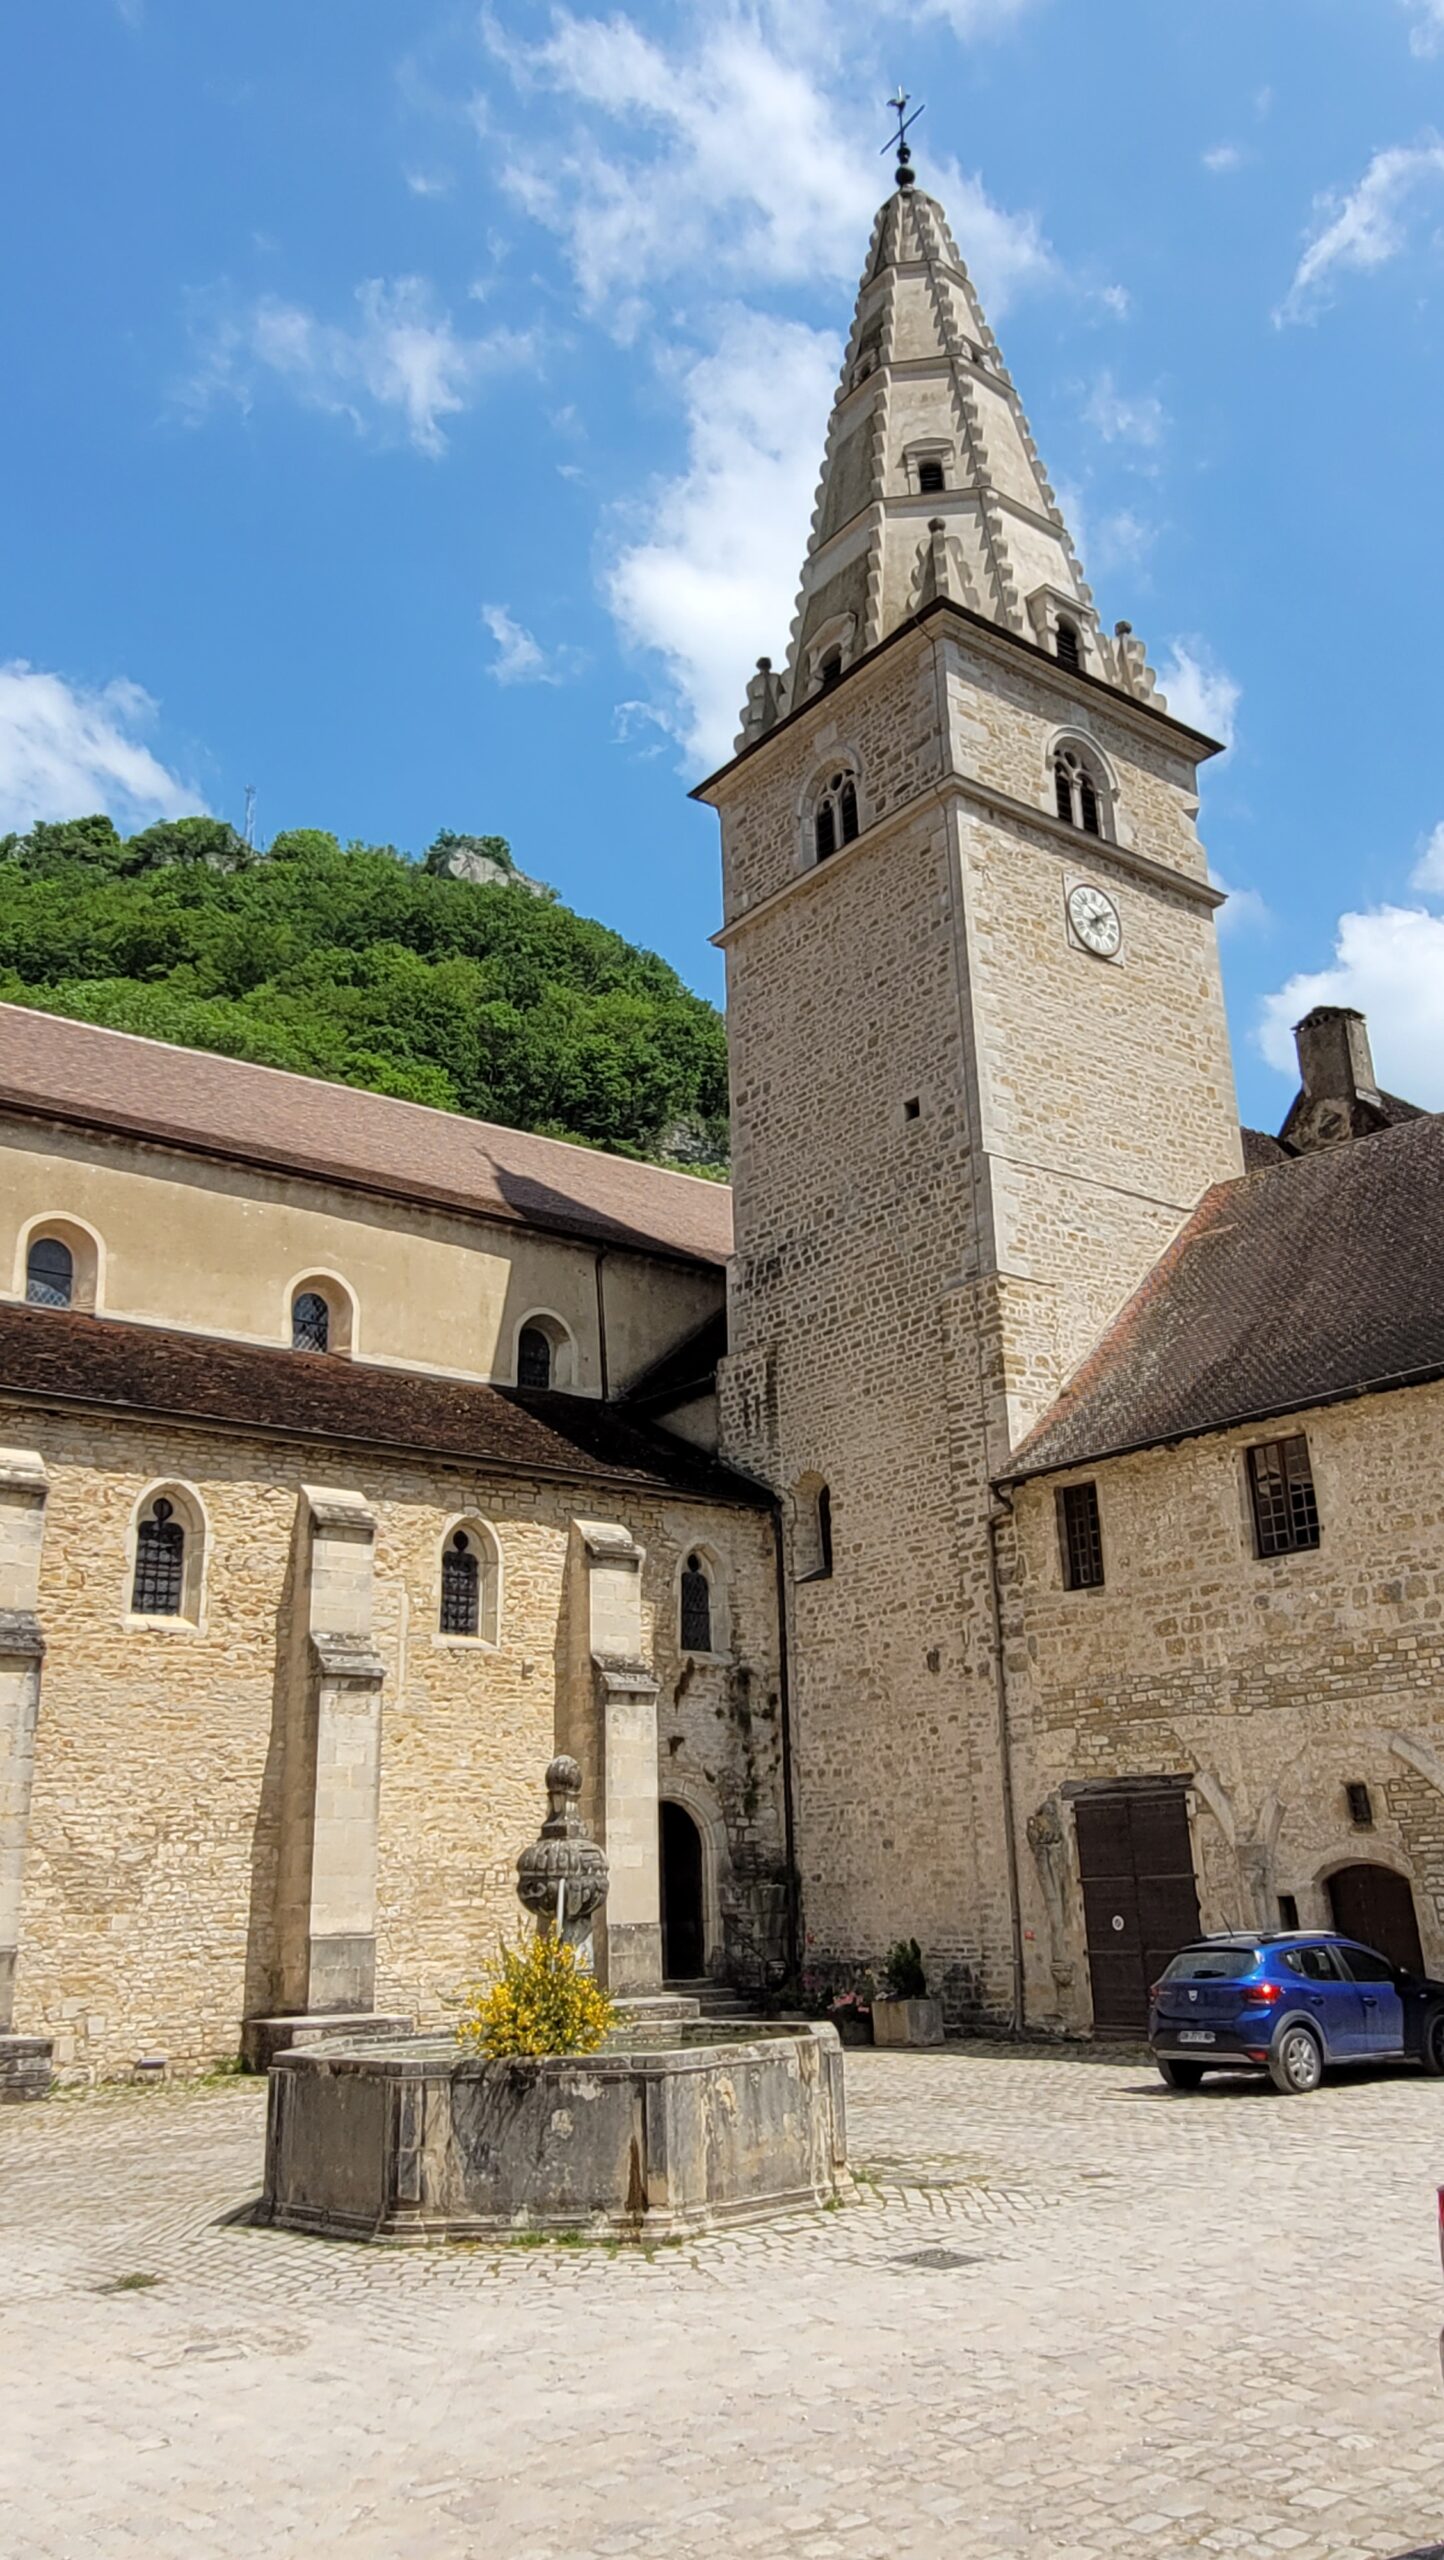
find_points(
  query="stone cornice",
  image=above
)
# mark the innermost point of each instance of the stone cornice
(998, 641)
(1094, 851)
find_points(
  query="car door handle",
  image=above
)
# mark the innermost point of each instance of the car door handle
(1370, 2002)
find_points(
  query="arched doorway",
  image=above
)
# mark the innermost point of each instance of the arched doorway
(684, 1936)
(1376, 1906)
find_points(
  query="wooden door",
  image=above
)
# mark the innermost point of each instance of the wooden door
(1140, 1899)
(1376, 1906)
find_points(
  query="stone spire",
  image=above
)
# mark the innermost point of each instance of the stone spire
(931, 483)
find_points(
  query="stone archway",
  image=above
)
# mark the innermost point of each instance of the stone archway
(684, 1909)
(1376, 1906)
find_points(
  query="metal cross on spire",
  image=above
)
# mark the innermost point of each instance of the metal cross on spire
(898, 142)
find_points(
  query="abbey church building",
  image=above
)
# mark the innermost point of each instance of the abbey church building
(1011, 1519)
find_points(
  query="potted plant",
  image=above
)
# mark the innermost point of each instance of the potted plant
(904, 2012)
(851, 2011)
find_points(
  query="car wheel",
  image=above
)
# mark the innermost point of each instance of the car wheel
(1431, 2048)
(1296, 2063)
(1179, 2075)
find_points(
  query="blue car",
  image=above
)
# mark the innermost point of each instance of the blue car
(1290, 2003)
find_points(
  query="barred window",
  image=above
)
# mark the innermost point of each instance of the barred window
(533, 1357)
(1069, 653)
(696, 1607)
(1081, 1532)
(460, 1588)
(49, 1273)
(310, 1321)
(160, 1563)
(1281, 1482)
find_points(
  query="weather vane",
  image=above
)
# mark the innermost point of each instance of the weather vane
(898, 141)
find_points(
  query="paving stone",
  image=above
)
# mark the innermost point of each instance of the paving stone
(1144, 2276)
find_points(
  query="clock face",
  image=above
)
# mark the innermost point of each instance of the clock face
(1094, 919)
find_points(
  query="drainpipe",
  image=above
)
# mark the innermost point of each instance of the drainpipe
(1005, 1760)
(784, 1693)
(602, 1327)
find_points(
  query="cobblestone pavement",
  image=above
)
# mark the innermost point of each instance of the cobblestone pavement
(1072, 2316)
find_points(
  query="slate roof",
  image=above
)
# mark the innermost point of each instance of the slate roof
(55, 1069)
(1313, 1279)
(63, 1359)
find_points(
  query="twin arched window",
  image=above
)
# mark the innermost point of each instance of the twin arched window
(835, 821)
(1078, 791)
(470, 1583)
(49, 1273)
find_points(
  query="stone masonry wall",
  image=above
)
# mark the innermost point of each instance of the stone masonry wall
(147, 1914)
(1270, 1682)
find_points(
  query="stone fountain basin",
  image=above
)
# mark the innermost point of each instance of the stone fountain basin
(419, 2141)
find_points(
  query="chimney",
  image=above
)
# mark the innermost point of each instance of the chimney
(1340, 1097)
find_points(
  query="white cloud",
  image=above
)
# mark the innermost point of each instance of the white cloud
(401, 365)
(1121, 420)
(1427, 33)
(729, 156)
(709, 578)
(1122, 540)
(1428, 871)
(1199, 690)
(1246, 910)
(1365, 229)
(67, 750)
(520, 657)
(1117, 299)
(429, 182)
(1224, 157)
(1389, 964)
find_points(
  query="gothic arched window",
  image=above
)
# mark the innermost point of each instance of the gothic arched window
(310, 1321)
(158, 1590)
(696, 1607)
(836, 818)
(460, 1587)
(1069, 653)
(1079, 791)
(49, 1273)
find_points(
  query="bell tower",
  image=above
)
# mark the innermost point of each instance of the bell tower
(980, 1077)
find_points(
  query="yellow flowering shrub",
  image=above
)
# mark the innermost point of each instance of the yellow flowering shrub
(537, 2001)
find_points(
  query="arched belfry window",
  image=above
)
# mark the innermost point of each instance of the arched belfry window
(1078, 790)
(158, 1588)
(835, 821)
(49, 1273)
(1069, 653)
(696, 1607)
(460, 1586)
(310, 1321)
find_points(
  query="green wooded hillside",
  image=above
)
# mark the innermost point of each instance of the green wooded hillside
(354, 962)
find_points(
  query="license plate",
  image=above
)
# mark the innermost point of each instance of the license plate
(1195, 2035)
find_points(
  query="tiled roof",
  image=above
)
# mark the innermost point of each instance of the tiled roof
(297, 1124)
(1316, 1278)
(51, 1358)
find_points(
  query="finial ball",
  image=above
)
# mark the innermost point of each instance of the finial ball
(564, 1776)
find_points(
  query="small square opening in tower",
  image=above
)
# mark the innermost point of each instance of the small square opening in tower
(912, 1108)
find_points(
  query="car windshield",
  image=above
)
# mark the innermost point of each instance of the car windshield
(1212, 1964)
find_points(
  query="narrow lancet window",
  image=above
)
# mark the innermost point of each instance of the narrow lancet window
(696, 1607)
(160, 1563)
(825, 831)
(460, 1587)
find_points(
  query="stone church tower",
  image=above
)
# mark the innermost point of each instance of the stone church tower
(980, 1076)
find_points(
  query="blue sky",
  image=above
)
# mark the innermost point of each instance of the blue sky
(416, 411)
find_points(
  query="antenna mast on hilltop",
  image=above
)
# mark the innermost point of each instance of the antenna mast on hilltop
(248, 825)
